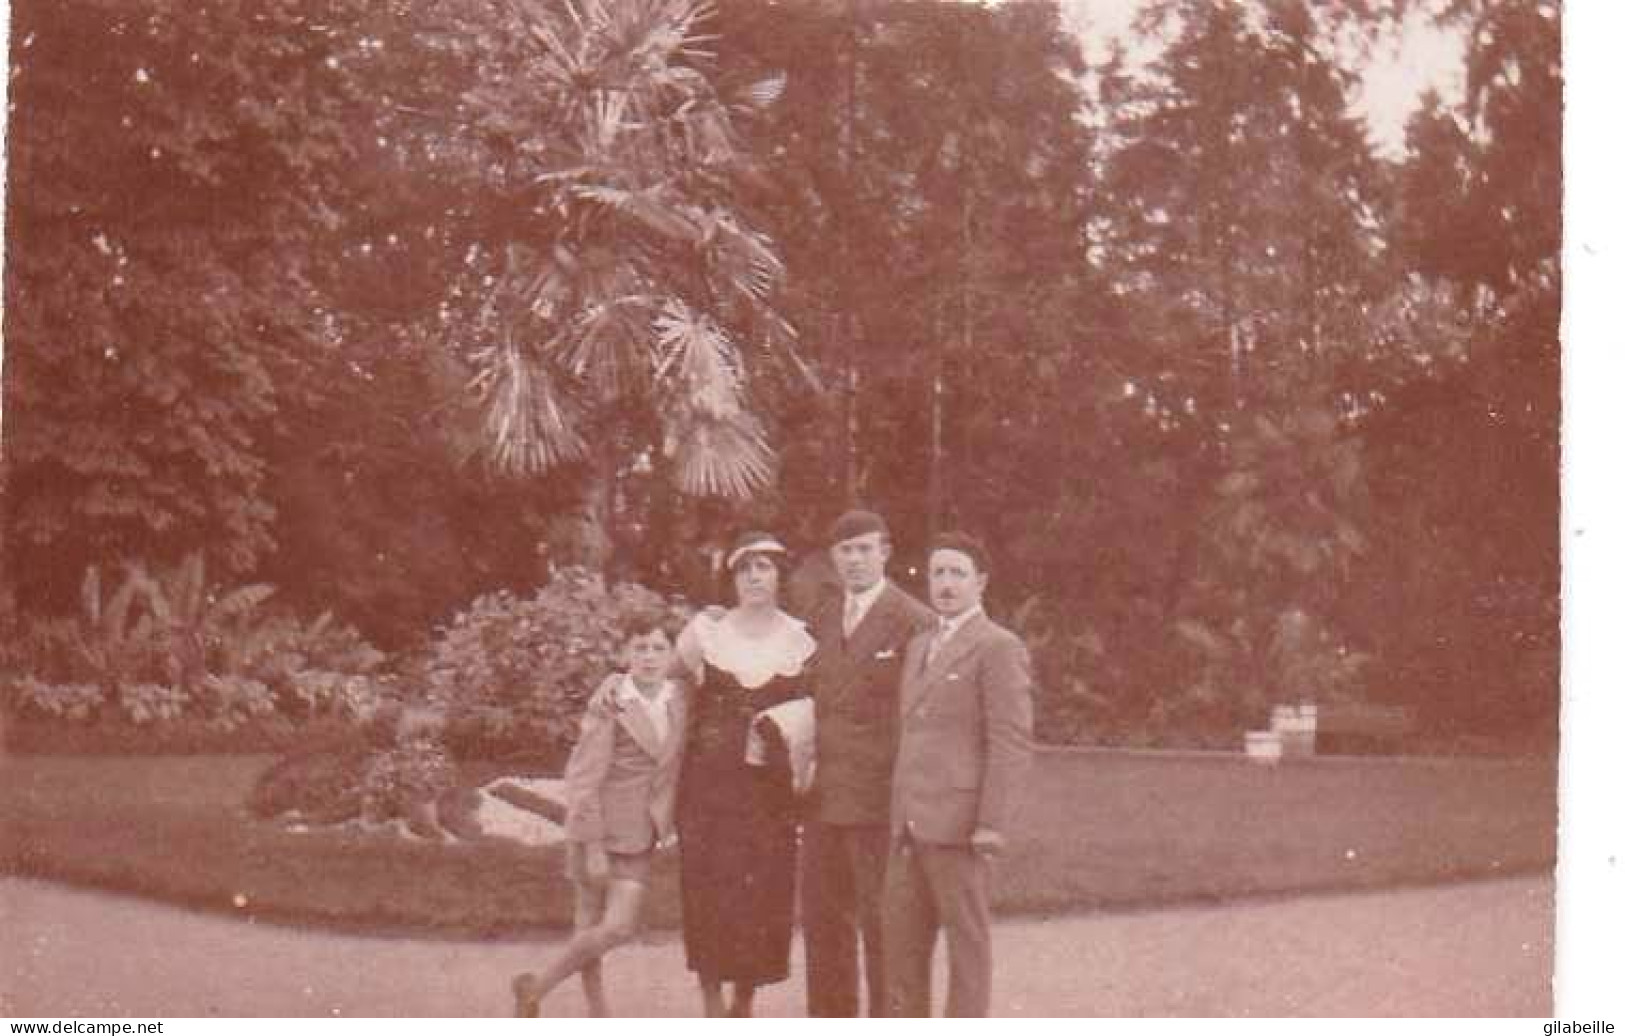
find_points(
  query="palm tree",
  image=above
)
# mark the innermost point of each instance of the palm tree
(625, 316)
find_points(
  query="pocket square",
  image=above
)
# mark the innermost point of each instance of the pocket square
(881, 656)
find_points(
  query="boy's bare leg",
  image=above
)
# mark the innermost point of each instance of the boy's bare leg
(711, 994)
(622, 904)
(592, 984)
(589, 911)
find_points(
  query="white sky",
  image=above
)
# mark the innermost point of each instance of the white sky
(1396, 74)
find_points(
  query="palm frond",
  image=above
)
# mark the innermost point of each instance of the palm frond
(715, 456)
(244, 599)
(568, 175)
(575, 16)
(538, 22)
(698, 360)
(528, 422)
(765, 92)
(787, 351)
(716, 444)
(744, 258)
(651, 207)
(608, 346)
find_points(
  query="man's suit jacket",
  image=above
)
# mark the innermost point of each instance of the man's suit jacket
(621, 781)
(966, 737)
(854, 685)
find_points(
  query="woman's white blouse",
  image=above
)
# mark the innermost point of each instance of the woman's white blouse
(752, 660)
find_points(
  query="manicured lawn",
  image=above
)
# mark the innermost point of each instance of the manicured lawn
(1117, 829)
(1101, 830)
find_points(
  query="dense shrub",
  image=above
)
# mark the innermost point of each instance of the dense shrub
(509, 676)
(1210, 694)
(412, 773)
(321, 780)
(68, 701)
(322, 787)
(1085, 692)
(163, 649)
(514, 673)
(383, 770)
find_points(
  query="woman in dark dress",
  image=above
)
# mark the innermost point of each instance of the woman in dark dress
(736, 822)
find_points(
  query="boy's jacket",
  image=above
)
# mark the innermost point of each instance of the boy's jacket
(621, 781)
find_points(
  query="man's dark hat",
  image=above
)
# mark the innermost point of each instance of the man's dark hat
(857, 523)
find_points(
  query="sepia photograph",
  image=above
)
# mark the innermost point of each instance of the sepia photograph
(782, 508)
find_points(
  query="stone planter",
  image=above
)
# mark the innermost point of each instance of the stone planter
(1263, 747)
(1296, 726)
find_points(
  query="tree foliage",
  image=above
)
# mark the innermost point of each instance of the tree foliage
(924, 164)
(228, 253)
(148, 326)
(397, 304)
(1468, 450)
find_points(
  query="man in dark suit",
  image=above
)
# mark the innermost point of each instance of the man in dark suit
(965, 744)
(862, 635)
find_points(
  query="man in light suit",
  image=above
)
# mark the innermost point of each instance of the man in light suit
(862, 635)
(965, 744)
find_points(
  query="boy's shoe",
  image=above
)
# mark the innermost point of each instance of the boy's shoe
(527, 996)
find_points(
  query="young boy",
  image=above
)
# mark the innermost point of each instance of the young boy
(620, 785)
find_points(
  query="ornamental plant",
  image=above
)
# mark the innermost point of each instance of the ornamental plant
(157, 648)
(512, 674)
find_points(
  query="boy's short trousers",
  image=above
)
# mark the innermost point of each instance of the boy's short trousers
(622, 866)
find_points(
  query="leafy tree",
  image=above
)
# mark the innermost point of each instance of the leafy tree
(171, 180)
(231, 230)
(923, 175)
(1243, 195)
(1467, 450)
(1283, 542)
(1241, 225)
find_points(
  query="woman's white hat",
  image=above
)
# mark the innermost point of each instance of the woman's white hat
(754, 543)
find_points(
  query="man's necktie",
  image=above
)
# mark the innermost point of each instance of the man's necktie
(849, 621)
(939, 638)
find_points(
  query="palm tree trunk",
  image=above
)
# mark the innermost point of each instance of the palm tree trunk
(600, 549)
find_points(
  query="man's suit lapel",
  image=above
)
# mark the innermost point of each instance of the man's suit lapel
(846, 653)
(875, 628)
(914, 671)
(826, 633)
(826, 626)
(961, 644)
(933, 676)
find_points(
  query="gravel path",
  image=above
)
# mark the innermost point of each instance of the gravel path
(1483, 948)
